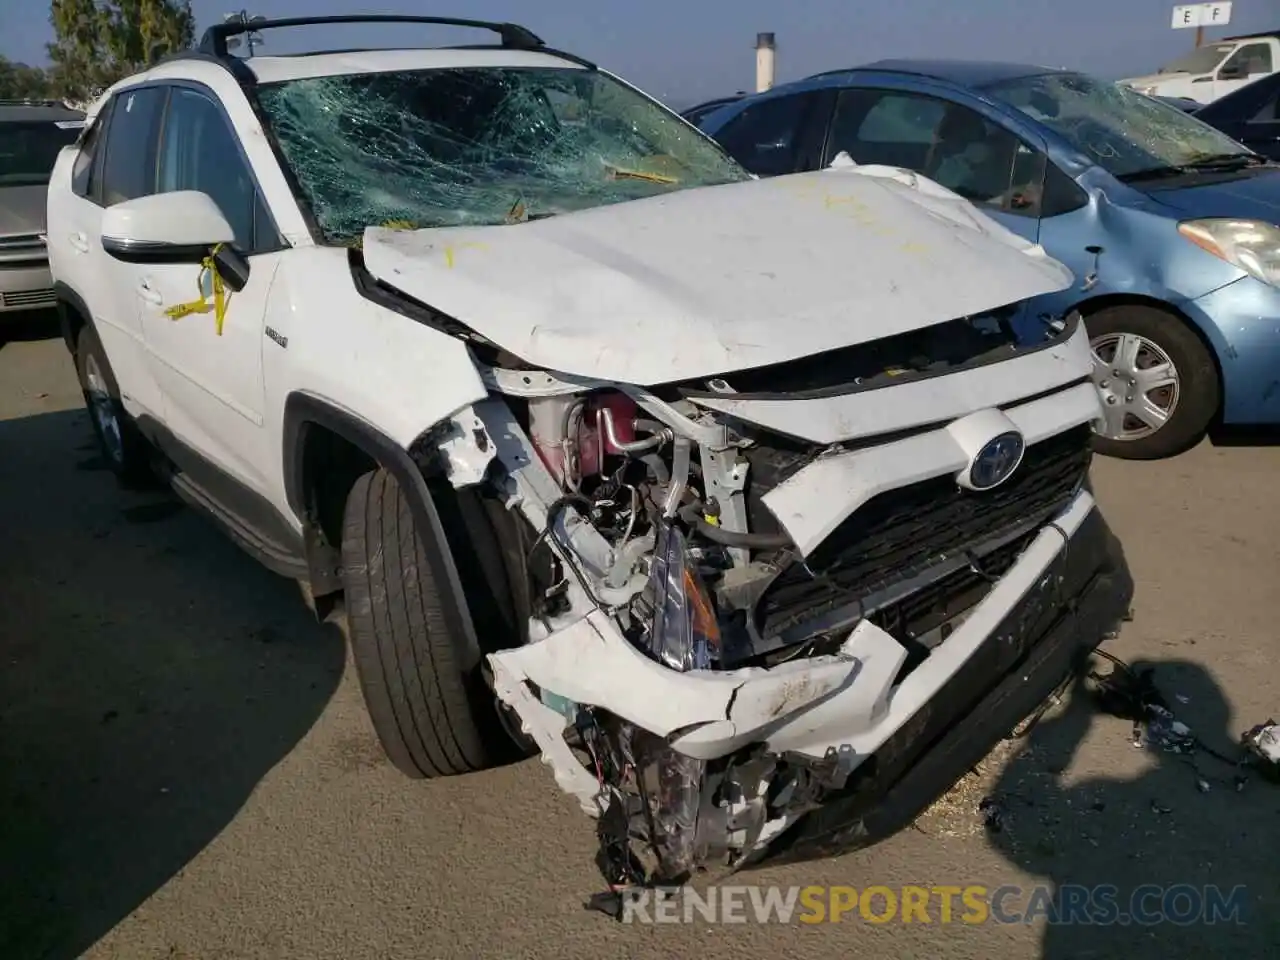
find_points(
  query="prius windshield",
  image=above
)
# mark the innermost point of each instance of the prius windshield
(479, 146)
(1125, 132)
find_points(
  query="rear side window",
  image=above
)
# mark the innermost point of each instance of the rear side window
(945, 141)
(1061, 193)
(129, 166)
(1267, 113)
(765, 137)
(900, 119)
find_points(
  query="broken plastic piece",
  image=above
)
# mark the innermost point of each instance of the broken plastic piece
(992, 814)
(674, 810)
(1263, 743)
(614, 858)
(685, 635)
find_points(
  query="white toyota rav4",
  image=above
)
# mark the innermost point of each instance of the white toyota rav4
(759, 508)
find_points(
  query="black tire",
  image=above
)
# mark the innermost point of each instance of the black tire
(423, 680)
(127, 453)
(1199, 390)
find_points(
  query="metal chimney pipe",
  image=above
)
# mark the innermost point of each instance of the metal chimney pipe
(766, 50)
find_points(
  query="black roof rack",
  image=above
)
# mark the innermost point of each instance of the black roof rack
(1260, 35)
(513, 36)
(34, 102)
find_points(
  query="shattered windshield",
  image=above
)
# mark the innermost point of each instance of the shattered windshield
(479, 146)
(1121, 130)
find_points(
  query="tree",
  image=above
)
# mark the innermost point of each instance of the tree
(21, 82)
(100, 41)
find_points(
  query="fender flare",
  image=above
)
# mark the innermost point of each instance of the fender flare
(302, 411)
(67, 297)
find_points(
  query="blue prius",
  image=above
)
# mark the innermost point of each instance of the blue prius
(1169, 225)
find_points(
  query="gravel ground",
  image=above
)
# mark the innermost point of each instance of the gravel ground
(186, 769)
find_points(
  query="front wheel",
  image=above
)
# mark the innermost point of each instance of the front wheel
(1159, 386)
(123, 447)
(420, 670)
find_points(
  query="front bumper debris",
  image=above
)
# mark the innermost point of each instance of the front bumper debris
(849, 703)
(1035, 647)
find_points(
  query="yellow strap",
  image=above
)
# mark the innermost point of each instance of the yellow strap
(220, 298)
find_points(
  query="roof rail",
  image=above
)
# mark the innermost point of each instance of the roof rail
(214, 40)
(832, 73)
(1261, 34)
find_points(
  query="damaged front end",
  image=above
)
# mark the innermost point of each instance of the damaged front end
(734, 613)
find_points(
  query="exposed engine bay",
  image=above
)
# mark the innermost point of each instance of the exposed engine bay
(684, 575)
(668, 544)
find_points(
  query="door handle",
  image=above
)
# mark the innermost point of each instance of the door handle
(149, 293)
(79, 241)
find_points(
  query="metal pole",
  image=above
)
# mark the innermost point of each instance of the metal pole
(765, 67)
(1199, 36)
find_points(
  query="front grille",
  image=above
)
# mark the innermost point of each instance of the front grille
(22, 242)
(29, 298)
(898, 534)
(930, 607)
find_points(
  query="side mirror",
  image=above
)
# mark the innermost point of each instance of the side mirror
(232, 267)
(178, 227)
(1233, 71)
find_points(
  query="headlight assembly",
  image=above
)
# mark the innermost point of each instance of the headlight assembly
(1251, 245)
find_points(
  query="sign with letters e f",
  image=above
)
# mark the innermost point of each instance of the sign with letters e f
(1201, 15)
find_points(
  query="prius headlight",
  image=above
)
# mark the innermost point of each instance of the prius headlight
(1251, 245)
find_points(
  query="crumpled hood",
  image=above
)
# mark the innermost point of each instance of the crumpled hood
(706, 281)
(1252, 197)
(22, 209)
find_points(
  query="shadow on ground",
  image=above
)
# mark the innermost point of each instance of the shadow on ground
(1252, 436)
(151, 676)
(28, 326)
(1184, 822)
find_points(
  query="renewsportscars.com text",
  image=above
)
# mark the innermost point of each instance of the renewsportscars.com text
(971, 905)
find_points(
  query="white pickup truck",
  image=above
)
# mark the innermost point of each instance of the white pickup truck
(1213, 70)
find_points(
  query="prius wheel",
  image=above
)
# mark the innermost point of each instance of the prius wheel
(1159, 386)
(123, 447)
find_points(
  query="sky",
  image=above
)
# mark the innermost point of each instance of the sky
(684, 51)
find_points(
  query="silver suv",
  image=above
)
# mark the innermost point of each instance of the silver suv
(31, 135)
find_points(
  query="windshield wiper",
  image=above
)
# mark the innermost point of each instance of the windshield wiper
(1212, 162)
(1152, 173)
(1225, 161)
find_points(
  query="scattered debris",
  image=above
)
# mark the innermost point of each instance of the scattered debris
(1262, 744)
(992, 814)
(1132, 695)
(951, 816)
